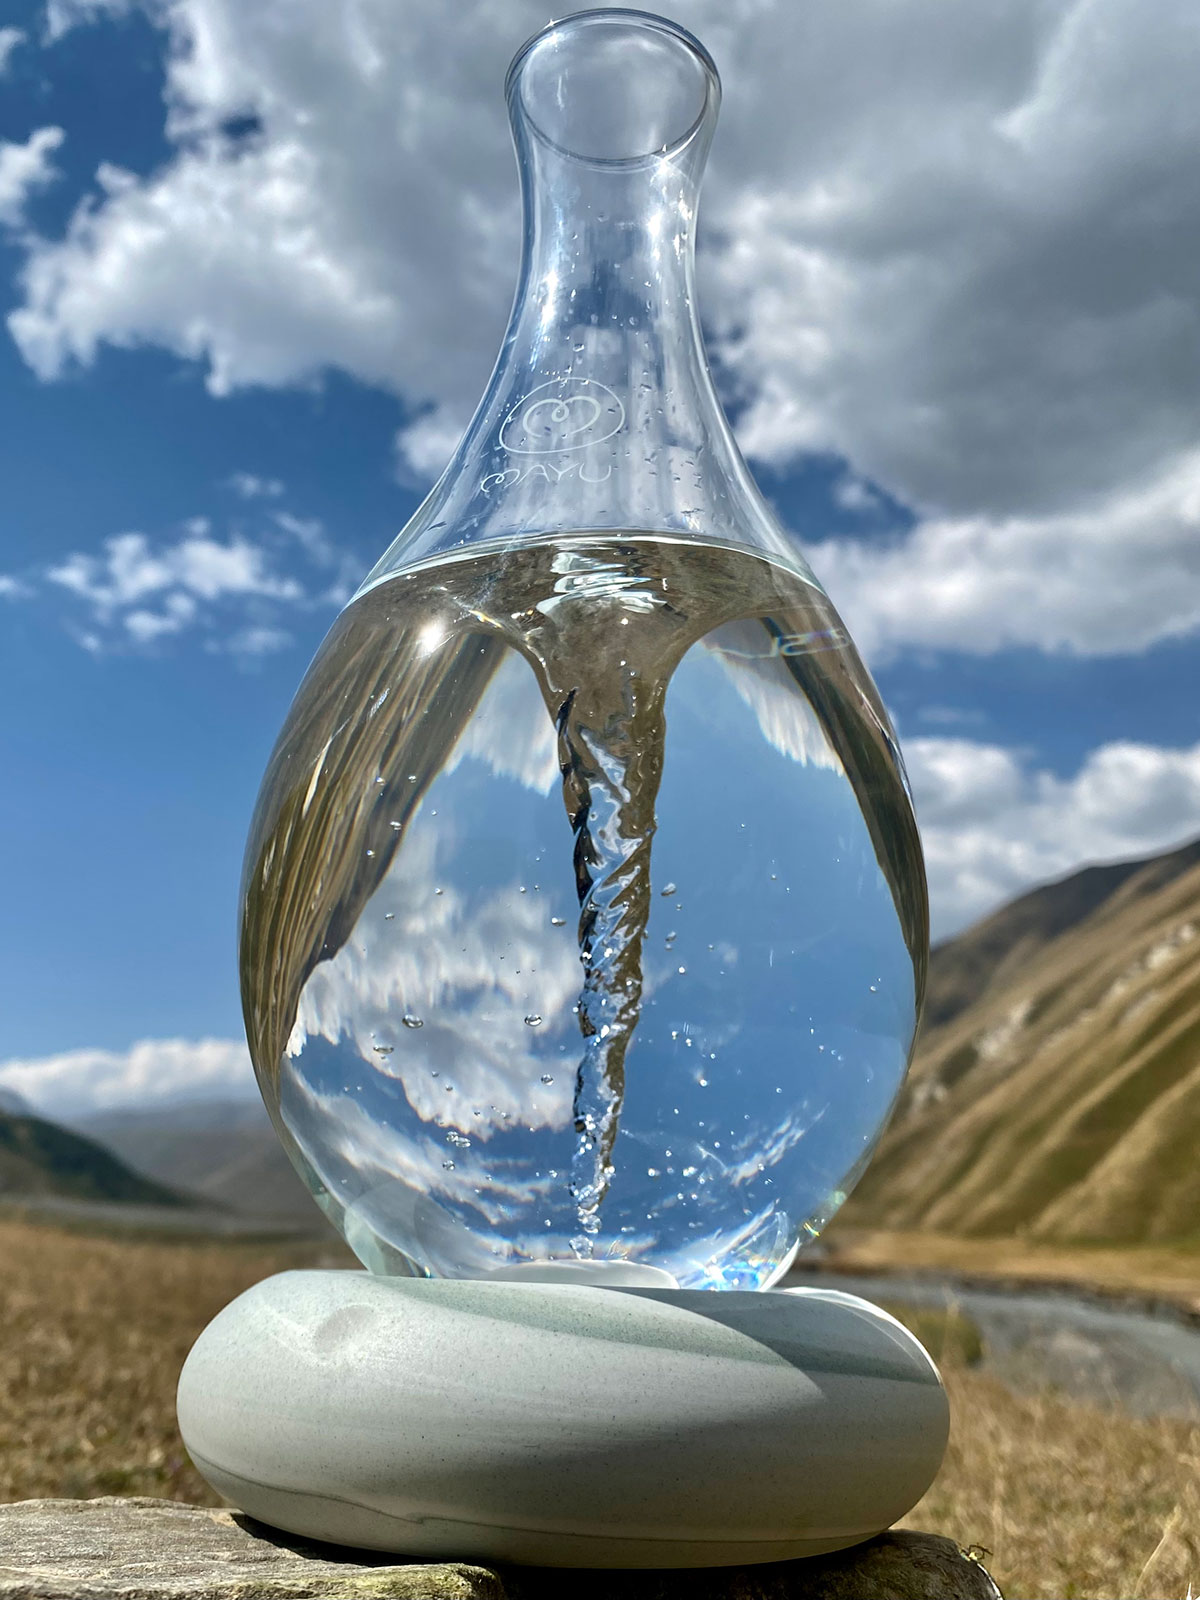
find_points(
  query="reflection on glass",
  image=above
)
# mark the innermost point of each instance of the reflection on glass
(583, 914)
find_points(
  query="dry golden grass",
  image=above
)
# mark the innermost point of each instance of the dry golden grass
(93, 1332)
(1070, 1502)
(1166, 1272)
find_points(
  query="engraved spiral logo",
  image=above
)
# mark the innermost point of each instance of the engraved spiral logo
(565, 414)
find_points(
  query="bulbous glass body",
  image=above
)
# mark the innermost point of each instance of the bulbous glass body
(584, 920)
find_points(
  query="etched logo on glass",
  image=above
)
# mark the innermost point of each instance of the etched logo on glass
(564, 414)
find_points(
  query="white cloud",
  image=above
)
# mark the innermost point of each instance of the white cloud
(932, 271)
(63, 15)
(427, 444)
(25, 167)
(438, 961)
(176, 577)
(249, 486)
(146, 626)
(371, 226)
(526, 748)
(10, 38)
(1113, 577)
(954, 247)
(12, 588)
(852, 494)
(309, 533)
(256, 641)
(75, 1083)
(959, 251)
(993, 824)
(234, 590)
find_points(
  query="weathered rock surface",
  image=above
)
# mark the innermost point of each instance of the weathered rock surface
(116, 1549)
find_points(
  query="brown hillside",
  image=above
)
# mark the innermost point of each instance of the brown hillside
(38, 1160)
(1057, 1092)
(224, 1150)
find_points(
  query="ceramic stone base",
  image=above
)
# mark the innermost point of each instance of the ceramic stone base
(560, 1424)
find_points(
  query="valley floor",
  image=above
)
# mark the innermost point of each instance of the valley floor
(1070, 1500)
(1137, 1272)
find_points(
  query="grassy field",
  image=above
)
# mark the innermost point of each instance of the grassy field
(93, 1332)
(1069, 1502)
(1142, 1271)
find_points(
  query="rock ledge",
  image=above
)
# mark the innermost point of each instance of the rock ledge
(142, 1549)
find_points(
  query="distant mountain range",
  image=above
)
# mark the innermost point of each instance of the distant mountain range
(213, 1166)
(224, 1152)
(1056, 1091)
(39, 1160)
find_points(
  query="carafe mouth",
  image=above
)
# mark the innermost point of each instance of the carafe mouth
(613, 88)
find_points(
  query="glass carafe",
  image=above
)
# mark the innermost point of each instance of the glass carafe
(584, 916)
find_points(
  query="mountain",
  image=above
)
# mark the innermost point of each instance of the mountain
(225, 1151)
(39, 1160)
(982, 959)
(1056, 1090)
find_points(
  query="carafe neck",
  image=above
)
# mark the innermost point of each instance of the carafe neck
(605, 307)
(601, 412)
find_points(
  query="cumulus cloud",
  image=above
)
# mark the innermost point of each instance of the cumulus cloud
(1103, 580)
(370, 223)
(954, 248)
(197, 566)
(76, 1083)
(234, 590)
(993, 824)
(959, 253)
(24, 167)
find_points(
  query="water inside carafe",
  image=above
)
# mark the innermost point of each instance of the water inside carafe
(575, 927)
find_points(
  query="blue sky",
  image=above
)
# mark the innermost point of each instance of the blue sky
(256, 261)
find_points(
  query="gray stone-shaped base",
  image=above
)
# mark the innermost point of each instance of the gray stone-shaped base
(158, 1550)
(562, 1424)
